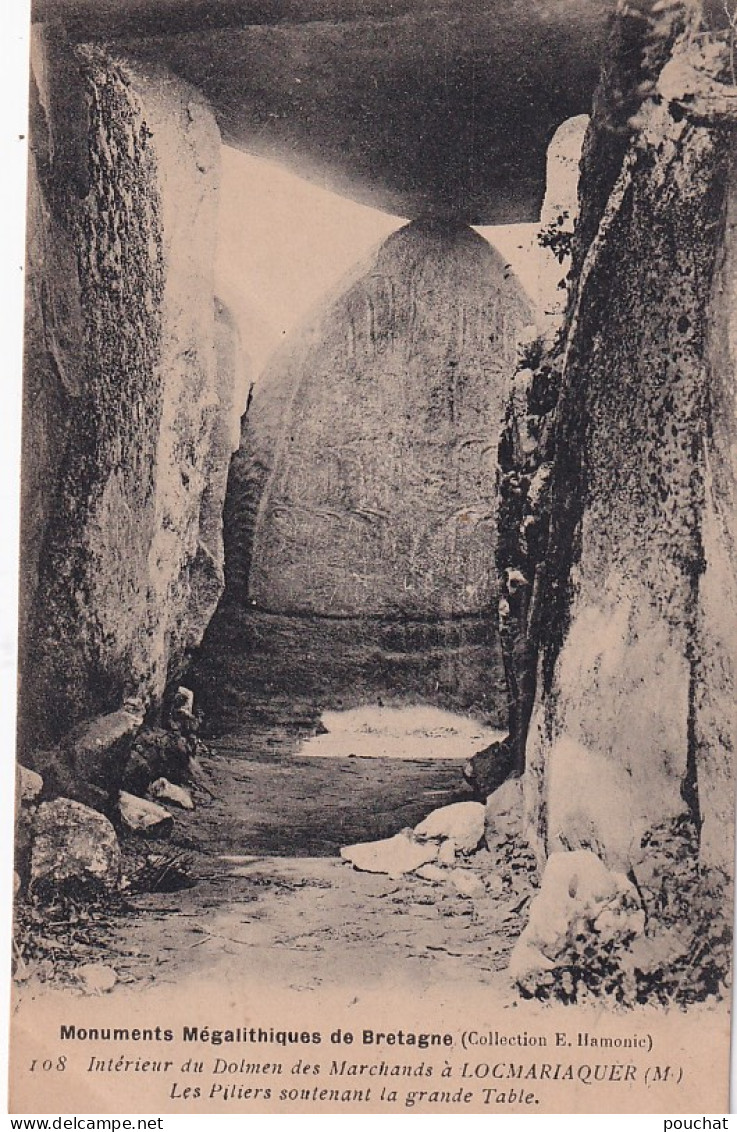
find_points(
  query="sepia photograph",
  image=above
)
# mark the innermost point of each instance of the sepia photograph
(377, 626)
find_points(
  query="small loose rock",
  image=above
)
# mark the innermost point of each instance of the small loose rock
(144, 817)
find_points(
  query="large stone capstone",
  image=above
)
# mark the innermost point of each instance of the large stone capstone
(380, 492)
(417, 107)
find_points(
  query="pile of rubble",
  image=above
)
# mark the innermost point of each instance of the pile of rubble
(581, 931)
(471, 847)
(110, 780)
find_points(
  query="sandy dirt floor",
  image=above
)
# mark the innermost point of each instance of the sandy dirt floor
(274, 897)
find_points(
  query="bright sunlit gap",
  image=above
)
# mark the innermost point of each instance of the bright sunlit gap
(286, 243)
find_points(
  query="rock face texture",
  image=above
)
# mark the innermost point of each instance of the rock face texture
(249, 471)
(714, 705)
(578, 896)
(75, 851)
(526, 450)
(206, 572)
(381, 495)
(131, 386)
(634, 609)
(558, 216)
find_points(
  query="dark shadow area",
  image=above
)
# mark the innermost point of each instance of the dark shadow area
(257, 668)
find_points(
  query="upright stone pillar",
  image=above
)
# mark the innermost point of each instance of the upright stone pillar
(381, 495)
(635, 721)
(122, 390)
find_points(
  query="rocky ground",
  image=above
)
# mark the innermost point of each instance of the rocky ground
(271, 891)
(308, 858)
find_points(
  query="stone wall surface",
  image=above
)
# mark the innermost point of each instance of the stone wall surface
(715, 656)
(52, 380)
(634, 721)
(206, 572)
(130, 386)
(381, 495)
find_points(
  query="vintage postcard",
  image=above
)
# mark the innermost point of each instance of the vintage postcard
(378, 566)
